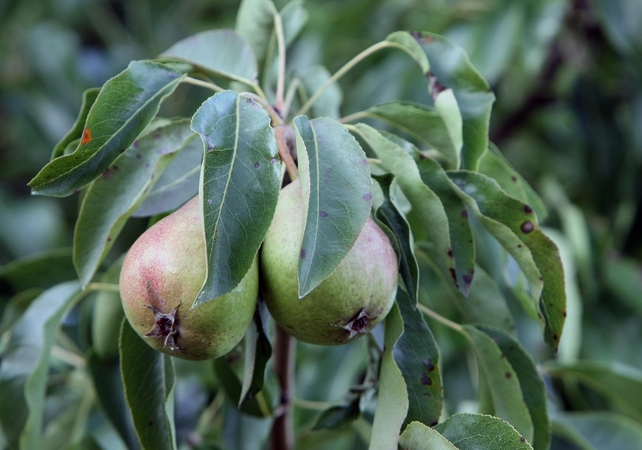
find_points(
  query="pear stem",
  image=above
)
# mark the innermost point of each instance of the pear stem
(282, 435)
(286, 144)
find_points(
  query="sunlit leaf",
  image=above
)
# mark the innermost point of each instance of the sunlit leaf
(337, 196)
(418, 436)
(148, 378)
(240, 186)
(480, 432)
(408, 44)
(113, 197)
(124, 107)
(25, 365)
(392, 405)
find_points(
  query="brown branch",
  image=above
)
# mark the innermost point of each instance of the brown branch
(282, 435)
(286, 142)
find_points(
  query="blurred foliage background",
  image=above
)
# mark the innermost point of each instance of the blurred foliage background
(568, 115)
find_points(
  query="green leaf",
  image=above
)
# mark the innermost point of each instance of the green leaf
(621, 384)
(258, 351)
(425, 202)
(124, 107)
(220, 53)
(112, 198)
(148, 377)
(255, 24)
(392, 405)
(505, 389)
(337, 416)
(110, 391)
(494, 165)
(481, 432)
(257, 406)
(418, 436)
(294, 17)
(177, 184)
(461, 236)
(337, 196)
(88, 100)
(53, 267)
(15, 307)
(530, 382)
(598, 430)
(389, 214)
(452, 69)
(622, 278)
(329, 103)
(406, 42)
(423, 123)
(25, 365)
(514, 224)
(417, 356)
(241, 180)
(107, 316)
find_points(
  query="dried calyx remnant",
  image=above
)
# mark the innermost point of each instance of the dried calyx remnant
(164, 324)
(358, 324)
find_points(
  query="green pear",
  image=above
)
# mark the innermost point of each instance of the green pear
(344, 306)
(161, 276)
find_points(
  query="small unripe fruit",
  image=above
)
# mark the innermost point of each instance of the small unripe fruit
(162, 274)
(344, 306)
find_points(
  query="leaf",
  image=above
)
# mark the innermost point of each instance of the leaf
(328, 104)
(530, 382)
(418, 436)
(461, 237)
(392, 405)
(107, 316)
(52, 266)
(523, 239)
(294, 17)
(423, 123)
(337, 196)
(15, 307)
(503, 383)
(425, 202)
(255, 24)
(258, 351)
(124, 107)
(241, 180)
(388, 213)
(404, 41)
(619, 383)
(622, 278)
(108, 384)
(148, 377)
(417, 356)
(481, 432)
(337, 416)
(88, 100)
(112, 198)
(219, 53)
(257, 406)
(452, 69)
(599, 430)
(25, 365)
(494, 165)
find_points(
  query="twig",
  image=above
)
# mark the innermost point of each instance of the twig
(286, 143)
(282, 435)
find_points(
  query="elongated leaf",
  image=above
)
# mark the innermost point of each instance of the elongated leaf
(258, 351)
(25, 365)
(255, 24)
(423, 123)
(461, 236)
(417, 356)
(15, 307)
(217, 52)
(112, 198)
(337, 416)
(496, 166)
(392, 405)
(622, 277)
(480, 432)
(505, 390)
(124, 107)
(177, 184)
(452, 69)
(390, 215)
(148, 377)
(257, 406)
(109, 387)
(619, 383)
(599, 430)
(418, 436)
(52, 267)
(107, 317)
(521, 222)
(337, 196)
(425, 202)
(328, 104)
(88, 99)
(406, 42)
(530, 382)
(240, 186)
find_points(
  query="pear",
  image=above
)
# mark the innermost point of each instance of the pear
(161, 276)
(347, 304)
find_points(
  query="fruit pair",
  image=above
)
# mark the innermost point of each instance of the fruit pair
(165, 269)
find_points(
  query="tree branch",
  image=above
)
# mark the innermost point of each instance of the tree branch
(282, 435)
